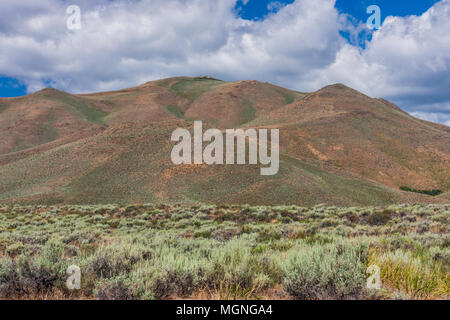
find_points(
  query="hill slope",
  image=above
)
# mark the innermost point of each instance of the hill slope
(337, 145)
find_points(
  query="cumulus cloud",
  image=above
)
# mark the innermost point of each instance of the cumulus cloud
(125, 43)
(407, 61)
(433, 117)
(274, 6)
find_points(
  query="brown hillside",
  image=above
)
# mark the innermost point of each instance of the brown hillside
(43, 117)
(338, 146)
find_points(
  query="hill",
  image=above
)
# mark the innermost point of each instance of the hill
(337, 146)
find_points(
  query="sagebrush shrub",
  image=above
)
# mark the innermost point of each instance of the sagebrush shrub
(380, 217)
(331, 271)
(119, 288)
(33, 275)
(9, 279)
(111, 261)
(144, 252)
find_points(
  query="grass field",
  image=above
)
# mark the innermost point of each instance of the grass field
(227, 252)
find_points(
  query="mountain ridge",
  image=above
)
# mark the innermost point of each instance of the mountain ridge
(338, 146)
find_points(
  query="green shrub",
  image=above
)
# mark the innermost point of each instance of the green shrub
(46, 271)
(118, 288)
(433, 193)
(33, 275)
(331, 271)
(15, 249)
(380, 217)
(111, 261)
(10, 284)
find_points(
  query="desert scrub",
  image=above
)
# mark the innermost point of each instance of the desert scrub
(236, 266)
(331, 271)
(380, 217)
(29, 276)
(118, 288)
(231, 252)
(177, 274)
(113, 260)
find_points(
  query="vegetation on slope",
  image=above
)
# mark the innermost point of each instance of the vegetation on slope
(81, 106)
(427, 192)
(175, 110)
(192, 88)
(337, 146)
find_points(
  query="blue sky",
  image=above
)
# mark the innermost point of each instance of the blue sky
(299, 44)
(257, 9)
(10, 87)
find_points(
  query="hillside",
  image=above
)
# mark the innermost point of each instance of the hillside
(337, 145)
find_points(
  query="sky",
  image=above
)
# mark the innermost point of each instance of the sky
(300, 44)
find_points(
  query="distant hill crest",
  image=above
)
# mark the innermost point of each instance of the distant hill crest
(337, 146)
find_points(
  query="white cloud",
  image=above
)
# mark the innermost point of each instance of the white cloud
(274, 6)
(125, 43)
(408, 62)
(433, 117)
